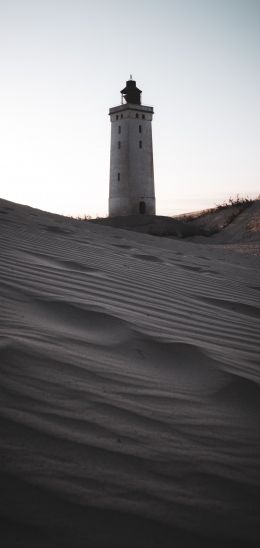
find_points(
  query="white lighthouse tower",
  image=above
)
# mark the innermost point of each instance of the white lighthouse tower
(131, 188)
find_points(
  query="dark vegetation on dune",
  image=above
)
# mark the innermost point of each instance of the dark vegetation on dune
(239, 203)
(205, 223)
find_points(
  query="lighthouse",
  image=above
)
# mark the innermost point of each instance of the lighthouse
(131, 185)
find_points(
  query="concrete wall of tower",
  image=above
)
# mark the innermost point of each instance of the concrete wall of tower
(131, 189)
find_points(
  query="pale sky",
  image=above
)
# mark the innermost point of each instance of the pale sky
(62, 65)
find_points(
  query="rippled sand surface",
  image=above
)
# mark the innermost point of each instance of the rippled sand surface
(129, 388)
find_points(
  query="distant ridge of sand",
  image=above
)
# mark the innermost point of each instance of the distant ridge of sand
(129, 386)
(232, 224)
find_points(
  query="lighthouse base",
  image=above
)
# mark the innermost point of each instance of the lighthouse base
(142, 205)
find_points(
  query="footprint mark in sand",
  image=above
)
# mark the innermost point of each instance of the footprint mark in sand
(57, 229)
(150, 258)
(193, 268)
(199, 269)
(237, 307)
(214, 272)
(5, 210)
(122, 246)
(73, 266)
(78, 267)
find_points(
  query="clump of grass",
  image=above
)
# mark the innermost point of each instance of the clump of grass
(242, 202)
(83, 218)
(239, 202)
(90, 218)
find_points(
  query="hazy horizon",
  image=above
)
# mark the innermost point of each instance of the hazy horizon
(63, 65)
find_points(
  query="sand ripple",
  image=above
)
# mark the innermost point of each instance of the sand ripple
(129, 388)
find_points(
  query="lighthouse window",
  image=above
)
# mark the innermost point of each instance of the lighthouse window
(119, 144)
(137, 115)
(119, 129)
(140, 129)
(118, 176)
(121, 116)
(140, 144)
(143, 116)
(117, 116)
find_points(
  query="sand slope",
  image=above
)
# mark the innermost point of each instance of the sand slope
(130, 388)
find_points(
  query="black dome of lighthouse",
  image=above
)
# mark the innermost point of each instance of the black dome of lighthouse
(131, 93)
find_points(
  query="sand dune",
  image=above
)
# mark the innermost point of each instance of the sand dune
(235, 226)
(129, 381)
